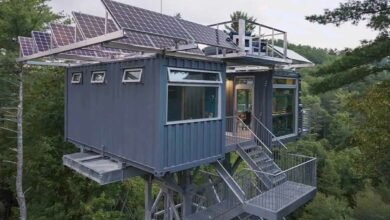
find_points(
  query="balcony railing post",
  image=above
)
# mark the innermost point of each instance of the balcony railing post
(241, 34)
(273, 42)
(285, 45)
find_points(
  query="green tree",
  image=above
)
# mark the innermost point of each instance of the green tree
(373, 132)
(327, 207)
(370, 205)
(376, 12)
(235, 16)
(20, 17)
(368, 59)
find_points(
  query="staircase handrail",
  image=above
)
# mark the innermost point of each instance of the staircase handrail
(257, 138)
(272, 134)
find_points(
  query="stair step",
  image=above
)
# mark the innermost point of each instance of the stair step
(249, 146)
(266, 165)
(255, 152)
(278, 179)
(260, 159)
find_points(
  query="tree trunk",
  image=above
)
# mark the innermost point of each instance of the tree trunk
(19, 156)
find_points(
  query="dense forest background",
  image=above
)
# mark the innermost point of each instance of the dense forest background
(348, 94)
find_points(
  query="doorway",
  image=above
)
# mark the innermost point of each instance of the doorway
(244, 98)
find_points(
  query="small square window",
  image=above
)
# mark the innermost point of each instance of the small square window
(132, 75)
(76, 78)
(98, 77)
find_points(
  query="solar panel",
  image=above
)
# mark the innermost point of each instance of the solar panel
(291, 54)
(42, 40)
(207, 35)
(138, 19)
(141, 20)
(93, 26)
(27, 46)
(81, 52)
(63, 34)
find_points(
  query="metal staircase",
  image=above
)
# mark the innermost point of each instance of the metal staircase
(259, 159)
(274, 184)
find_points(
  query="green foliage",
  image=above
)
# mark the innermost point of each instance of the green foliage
(327, 207)
(20, 17)
(370, 205)
(368, 59)
(235, 16)
(375, 11)
(341, 129)
(373, 133)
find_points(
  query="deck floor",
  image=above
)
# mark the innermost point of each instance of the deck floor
(231, 139)
(281, 196)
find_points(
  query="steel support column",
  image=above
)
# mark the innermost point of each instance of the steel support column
(148, 198)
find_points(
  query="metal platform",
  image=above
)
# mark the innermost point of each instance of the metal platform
(280, 200)
(99, 168)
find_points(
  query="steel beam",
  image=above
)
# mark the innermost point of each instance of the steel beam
(78, 45)
(148, 197)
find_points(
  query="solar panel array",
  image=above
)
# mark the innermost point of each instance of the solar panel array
(145, 21)
(93, 26)
(27, 46)
(143, 28)
(138, 19)
(207, 35)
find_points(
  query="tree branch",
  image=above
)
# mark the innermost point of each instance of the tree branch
(7, 129)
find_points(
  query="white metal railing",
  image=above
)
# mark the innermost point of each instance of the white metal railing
(299, 173)
(261, 34)
(238, 132)
(265, 134)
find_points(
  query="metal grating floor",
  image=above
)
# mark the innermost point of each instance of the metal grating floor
(281, 196)
(231, 140)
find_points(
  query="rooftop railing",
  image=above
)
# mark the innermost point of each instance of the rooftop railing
(259, 35)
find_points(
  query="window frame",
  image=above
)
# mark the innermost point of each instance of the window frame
(98, 82)
(72, 81)
(132, 80)
(296, 100)
(194, 81)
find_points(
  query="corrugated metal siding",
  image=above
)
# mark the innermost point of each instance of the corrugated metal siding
(120, 119)
(263, 103)
(190, 144)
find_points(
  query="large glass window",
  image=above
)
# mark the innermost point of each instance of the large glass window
(193, 101)
(284, 107)
(184, 75)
